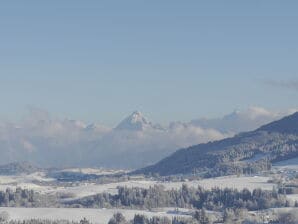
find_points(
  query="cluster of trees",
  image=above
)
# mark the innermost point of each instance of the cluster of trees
(118, 218)
(288, 189)
(216, 199)
(242, 157)
(238, 168)
(19, 197)
(25, 198)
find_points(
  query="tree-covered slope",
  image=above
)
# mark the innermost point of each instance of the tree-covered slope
(18, 168)
(245, 153)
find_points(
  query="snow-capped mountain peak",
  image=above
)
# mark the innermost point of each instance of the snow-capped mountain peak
(137, 116)
(135, 122)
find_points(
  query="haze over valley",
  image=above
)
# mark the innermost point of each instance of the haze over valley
(134, 143)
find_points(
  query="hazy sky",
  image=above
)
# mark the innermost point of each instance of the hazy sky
(173, 60)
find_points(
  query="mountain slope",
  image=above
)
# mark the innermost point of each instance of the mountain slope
(287, 125)
(247, 152)
(18, 168)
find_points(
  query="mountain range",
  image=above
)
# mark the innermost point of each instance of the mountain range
(135, 142)
(245, 152)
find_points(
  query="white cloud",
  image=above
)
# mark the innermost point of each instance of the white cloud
(241, 121)
(54, 142)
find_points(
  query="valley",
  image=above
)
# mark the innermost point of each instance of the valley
(108, 181)
(252, 175)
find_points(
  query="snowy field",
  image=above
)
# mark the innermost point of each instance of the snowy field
(39, 182)
(239, 183)
(27, 182)
(94, 171)
(221, 182)
(98, 216)
(87, 189)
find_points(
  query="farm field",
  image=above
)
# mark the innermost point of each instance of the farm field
(40, 183)
(221, 182)
(97, 216)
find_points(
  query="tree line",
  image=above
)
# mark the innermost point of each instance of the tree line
(25, 198)
(215, 199)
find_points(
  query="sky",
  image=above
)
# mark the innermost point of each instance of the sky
(172, 60)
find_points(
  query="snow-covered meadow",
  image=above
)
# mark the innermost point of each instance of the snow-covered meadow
(250, 183)
(96, 216)
(40, 183)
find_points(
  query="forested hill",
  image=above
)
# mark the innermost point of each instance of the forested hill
(287, 125)
(18, 168)
(244, 153)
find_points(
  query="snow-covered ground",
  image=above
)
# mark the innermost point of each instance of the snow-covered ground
(86, 189)
(26, 181)
(249, 182)
(38, 177)
(39, 182)
(94, 171)
(221, 182)
(97, 216)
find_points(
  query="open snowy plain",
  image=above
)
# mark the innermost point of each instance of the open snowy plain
(97, 216)
(39, 182)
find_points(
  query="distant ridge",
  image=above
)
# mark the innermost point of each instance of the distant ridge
(18, 168)
(245, 153)
(288, 125)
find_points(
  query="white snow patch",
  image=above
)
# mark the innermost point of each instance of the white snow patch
(93, 171)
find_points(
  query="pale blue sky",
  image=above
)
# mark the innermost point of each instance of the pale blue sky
(173, 60)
